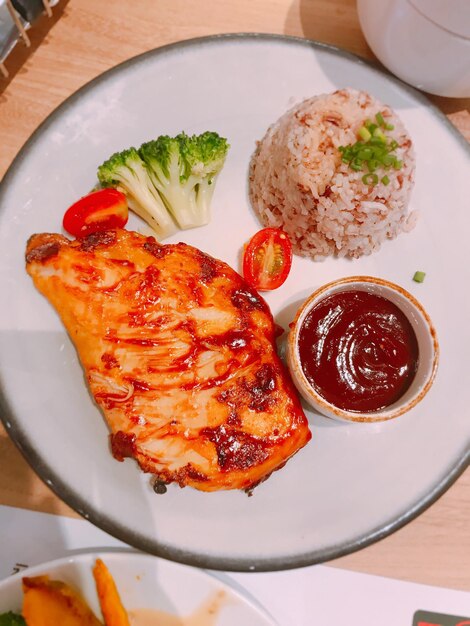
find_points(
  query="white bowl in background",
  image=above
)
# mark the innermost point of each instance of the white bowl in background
(426, 43)
(428, 349)
(146, 583)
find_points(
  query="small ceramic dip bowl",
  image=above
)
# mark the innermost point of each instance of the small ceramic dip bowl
(362, 349)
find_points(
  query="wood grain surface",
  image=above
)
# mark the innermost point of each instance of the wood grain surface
(85, 38)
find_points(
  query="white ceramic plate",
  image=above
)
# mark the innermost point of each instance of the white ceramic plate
(352, 484)
(147, 583)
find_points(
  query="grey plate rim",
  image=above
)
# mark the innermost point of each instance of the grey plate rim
(122, 532)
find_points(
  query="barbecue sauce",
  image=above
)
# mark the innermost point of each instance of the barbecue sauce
(358, 351)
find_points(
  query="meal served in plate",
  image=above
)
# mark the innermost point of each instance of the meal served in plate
(179, 353)
(336, 173)
(51, 602)
(178, 349)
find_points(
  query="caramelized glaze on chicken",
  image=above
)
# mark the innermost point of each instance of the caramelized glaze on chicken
(178, 352)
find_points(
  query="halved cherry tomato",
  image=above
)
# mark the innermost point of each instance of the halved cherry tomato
(99, 211)
(267, 259)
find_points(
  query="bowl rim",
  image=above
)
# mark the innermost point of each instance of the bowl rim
(429, 16)
(309, 392)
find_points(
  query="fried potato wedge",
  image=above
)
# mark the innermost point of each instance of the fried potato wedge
(47, 602)
(113, 611)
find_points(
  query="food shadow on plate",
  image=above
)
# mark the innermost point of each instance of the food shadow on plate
(307, 15)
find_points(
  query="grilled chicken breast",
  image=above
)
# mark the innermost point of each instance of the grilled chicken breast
(178, 352)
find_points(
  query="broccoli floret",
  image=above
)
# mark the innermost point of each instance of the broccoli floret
(164, 164)
(184, 170)
(127, 172)
(11, 619)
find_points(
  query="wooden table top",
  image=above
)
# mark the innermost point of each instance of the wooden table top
(87, 38)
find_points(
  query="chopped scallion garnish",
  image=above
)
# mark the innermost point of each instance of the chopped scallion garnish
(380, 119)
(370, 179)
(377, 141)
(373, 151)
(419, 277)
(380, 135)
(365, 154)
(371, 127)
(364, 133)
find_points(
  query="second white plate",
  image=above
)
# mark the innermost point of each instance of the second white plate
(147, 584)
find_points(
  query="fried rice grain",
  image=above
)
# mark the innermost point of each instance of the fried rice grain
(299, 182)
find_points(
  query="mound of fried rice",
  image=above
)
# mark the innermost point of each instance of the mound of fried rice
(299, 182)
